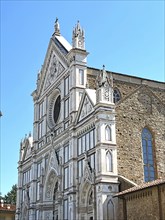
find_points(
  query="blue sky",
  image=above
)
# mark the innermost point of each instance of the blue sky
(126, 36)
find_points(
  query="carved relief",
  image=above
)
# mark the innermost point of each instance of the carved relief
(55, 69)
(86, 175)
(106, 94)
(47, 215)
(50, 184)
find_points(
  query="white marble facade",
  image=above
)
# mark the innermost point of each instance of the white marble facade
(69, 169)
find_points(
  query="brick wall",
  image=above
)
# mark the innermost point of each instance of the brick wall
(139, 108)
(143, 204)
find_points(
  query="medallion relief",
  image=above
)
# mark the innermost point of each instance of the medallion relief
(54, 70)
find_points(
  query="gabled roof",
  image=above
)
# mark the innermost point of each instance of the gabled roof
(60, 40)
(141, 186)
(26, 147)
(59, 47)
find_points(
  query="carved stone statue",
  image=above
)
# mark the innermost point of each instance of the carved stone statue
(57, 27)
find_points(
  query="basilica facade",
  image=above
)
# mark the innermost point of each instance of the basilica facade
(95, 134)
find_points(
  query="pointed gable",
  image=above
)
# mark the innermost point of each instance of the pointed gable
(55, 64)
(87, 176)
(55, 68)
(87, 104)
(53, 163)
(26, 147)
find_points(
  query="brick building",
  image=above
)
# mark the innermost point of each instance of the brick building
(95, 133)
(145, 201)
(7, 211)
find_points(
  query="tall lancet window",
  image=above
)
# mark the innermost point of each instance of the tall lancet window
(108, 135)
(148, 159)
(81, 77)
(109, 162)
(116, 95)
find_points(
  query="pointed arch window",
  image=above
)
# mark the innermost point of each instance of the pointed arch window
(110, 210)
(148, 159)
(116, 95)
(108, 136)
(109, 162)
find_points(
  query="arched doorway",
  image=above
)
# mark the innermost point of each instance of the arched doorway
(86, 209)
(51, 192)
(55, 208)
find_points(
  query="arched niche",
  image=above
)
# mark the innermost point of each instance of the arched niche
(50, 185)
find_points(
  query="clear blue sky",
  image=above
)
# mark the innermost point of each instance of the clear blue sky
(125, 36)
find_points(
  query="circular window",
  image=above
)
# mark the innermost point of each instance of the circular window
(54, 107)
(57, 108)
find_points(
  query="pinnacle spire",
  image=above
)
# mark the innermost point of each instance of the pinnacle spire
(78, 37)
(104, 86)
(57, 27)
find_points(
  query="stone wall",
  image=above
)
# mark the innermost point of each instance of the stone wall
(139, 108)
(142, 105)
(162, 198)
(143, 204)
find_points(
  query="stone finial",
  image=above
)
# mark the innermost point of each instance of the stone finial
(77, 31)
(78, 37)
(104, 75)
(103, 78)
(57, 27)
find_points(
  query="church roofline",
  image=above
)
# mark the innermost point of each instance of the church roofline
(145, 185)
(132, 79)
(64, 42)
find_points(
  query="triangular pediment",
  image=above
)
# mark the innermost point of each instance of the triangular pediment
(87, 104)
(54, 66)
(26, 148)
(53, 163)
(88, 175)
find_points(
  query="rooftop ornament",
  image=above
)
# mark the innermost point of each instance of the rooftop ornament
(57, 27)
